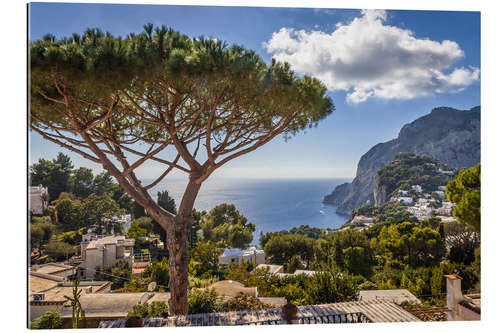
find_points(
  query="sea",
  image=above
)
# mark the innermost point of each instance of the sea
(270, 204)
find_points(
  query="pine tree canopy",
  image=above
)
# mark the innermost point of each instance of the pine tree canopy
(147, 86)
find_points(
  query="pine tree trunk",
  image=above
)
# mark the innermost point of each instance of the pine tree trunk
(177, 244)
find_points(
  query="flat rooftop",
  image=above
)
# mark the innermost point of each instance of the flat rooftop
(58, 292)
(107, 304)
(232, 288)
(38, 284)
(397, 296)
(52, 268)
(119, 240)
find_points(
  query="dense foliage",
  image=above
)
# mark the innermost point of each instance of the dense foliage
(243, 302)
(59, 176)
(225, 225)
(205, 259)
(391, 211)
(202, 301)
(41, 231)
(409, 244)
(331, 286)
(59, 250)
(53, 174)
(48, 320)
(350, 250)
(155, 309)
(119, 275)
(282, 247)
(157, 272)
(408, 169)
(465, 191)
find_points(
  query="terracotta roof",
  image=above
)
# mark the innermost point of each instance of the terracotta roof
(376, 311)
(138, 270)
(141, 264)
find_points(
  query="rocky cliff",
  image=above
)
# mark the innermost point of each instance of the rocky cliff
(451, 136)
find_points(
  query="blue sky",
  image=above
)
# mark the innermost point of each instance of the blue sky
(383, 70)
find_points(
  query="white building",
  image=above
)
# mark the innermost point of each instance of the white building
(403, 193)
(422, 202)
(446, 209)
(445, 172)
(126, 220)
(442, 188)
(238, 256)
(104, 252)
(39, 197)
(417, 188)
(420, 212)
(441, 193)
(448, 204)
(405, 200)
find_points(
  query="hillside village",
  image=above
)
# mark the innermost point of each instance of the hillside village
(415, 185)
(121, 268)
(417, 203)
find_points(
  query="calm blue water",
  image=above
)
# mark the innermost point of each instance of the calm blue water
(271, 204)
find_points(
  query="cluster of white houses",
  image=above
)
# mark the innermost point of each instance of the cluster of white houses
(425, 206)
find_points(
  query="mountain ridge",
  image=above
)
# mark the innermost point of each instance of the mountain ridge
(449, 135)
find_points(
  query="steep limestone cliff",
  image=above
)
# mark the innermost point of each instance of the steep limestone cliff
(449, 135)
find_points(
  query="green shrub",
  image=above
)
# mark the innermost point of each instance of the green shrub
(202, 301)
(49, 320)
(367, 285)
(244, 302)
(195, 282)
(293, 292)
(59, 250)
(331, 286)
(386, 285)
(157, 272)
(152, 310)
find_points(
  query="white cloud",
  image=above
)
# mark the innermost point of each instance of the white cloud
(367, 59)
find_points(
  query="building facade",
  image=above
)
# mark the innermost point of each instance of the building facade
(238, 256)
(104, 252)
(39, 196)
